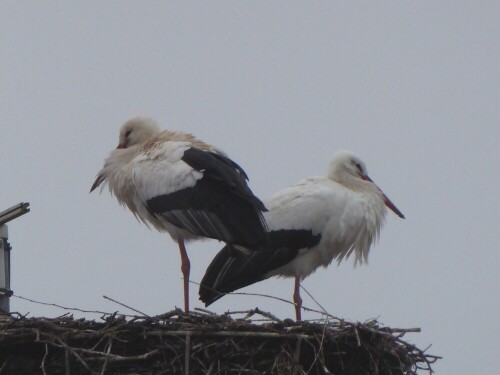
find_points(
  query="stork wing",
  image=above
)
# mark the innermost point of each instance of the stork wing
(235, 267)
(200, 191)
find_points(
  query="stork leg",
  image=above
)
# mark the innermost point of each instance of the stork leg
(185, 268)
(296, 299)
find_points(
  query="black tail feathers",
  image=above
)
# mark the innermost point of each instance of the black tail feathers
(235, 267)
(232, 268)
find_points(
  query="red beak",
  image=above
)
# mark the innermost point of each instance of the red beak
(387, 201)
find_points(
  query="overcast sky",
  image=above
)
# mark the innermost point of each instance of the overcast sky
(411, 87)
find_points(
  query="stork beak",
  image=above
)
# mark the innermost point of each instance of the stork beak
(121, 146)
(387, 201)
(100, 178)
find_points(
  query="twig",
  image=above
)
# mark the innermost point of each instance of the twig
(229, 334)
(305, 308)
(126, 306)
(320, 350)
(66, 346)
(105, 365)
(67, 362)
(205, 311)
(296, 356)
(60, 306)
(317, 303)
(268, 315)
(112, 358)
(402, 331)
(358, 339)
(42, 366)
(187, 353)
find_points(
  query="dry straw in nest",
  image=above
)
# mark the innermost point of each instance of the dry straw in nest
(205, 343)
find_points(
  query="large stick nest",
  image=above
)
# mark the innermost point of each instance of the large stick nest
(204, 343)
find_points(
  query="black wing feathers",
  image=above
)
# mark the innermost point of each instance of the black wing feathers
(293, 239)
(220, 205)
(232, 269)
(200, 160)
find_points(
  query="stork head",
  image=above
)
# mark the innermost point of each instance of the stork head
(349, 170)
(345, 163)
(137, 130)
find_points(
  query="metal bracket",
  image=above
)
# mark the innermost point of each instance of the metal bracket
(14, 212)
(6, 292)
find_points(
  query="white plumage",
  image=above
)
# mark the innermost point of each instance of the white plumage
(310, 224)
(181, 185)
(117, 169)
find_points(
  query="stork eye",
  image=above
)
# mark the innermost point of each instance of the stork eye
(358, 166)
(127, 133)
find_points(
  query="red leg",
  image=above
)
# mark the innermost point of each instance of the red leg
(185, 268)
(296, 299)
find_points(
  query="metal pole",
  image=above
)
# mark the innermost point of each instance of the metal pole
(6, 216)
(5, 291)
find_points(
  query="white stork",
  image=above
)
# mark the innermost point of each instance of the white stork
(184, 186)
(310, 224)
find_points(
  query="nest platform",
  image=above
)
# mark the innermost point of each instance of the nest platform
(205, 343)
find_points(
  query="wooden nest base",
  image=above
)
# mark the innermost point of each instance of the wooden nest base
(205, 343)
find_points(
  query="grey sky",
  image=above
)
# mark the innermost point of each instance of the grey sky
(412, 87)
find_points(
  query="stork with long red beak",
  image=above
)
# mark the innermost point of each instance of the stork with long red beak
(310, 224)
